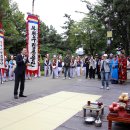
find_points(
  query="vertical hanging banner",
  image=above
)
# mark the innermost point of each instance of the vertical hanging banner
(2, 65)
(33, 42)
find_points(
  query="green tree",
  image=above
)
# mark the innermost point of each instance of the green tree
(15, 29)
(89, 34)
(51, 41)
(114, 15)
(4, 6)
(68, 25)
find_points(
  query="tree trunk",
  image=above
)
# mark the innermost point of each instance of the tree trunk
(0, 20)
(91, 50)
(0, 25)
(128, 40)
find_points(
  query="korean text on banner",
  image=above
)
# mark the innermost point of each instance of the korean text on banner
(33, 44)
(1, 50)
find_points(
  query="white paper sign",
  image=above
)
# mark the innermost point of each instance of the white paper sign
(2, 52)
(33, 46)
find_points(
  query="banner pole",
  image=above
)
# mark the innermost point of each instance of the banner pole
(33, 6)
(2, 46)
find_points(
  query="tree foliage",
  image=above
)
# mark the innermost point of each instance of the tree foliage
(51, 41)
(4, 6)
(68, 25)
(115, 16)
(14, 24)
(90, 32)
(87, 33)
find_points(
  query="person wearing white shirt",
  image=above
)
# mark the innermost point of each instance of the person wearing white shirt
(12, 66)
(54, 67)
(92, 66)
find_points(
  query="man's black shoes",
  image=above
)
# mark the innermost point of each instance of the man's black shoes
(22, 96)
(15, 97)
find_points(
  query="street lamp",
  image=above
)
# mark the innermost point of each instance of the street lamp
(109, 32)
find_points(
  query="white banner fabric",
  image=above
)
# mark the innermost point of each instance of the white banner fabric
(33, 46)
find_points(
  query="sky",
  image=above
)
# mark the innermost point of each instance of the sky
(51, 12)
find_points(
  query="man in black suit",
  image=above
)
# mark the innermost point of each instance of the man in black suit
(21, 61)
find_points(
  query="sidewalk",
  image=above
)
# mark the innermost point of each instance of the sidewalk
(55, 104)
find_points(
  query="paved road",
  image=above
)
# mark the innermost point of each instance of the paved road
(41, 87)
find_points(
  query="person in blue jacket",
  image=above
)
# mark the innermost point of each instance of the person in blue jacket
(114, 71)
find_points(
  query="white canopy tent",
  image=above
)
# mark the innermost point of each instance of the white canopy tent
(80, 51)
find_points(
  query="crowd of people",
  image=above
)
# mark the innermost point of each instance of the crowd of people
(108, 68)
(70, 66)
(8, 74)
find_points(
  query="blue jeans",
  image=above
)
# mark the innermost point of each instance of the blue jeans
(66, 70)
(105, 78)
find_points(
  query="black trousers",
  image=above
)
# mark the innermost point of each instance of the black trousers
(98, 72)
(99, 76)
(91, 73)
(87, 70)
(19, 78)
(66, 71)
